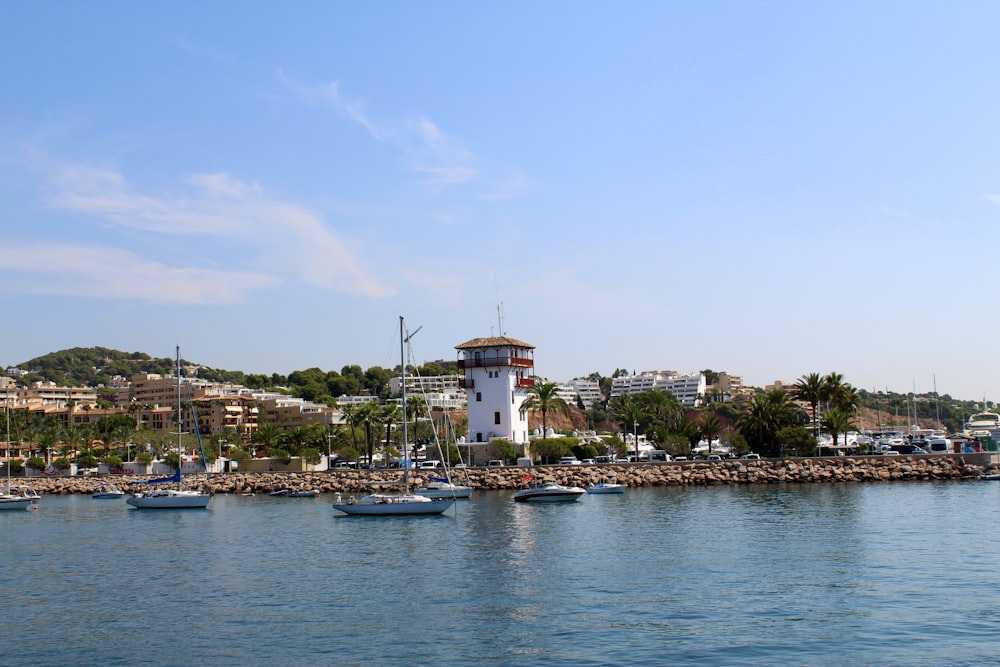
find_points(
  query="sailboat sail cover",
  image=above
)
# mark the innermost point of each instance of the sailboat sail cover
(176, 477)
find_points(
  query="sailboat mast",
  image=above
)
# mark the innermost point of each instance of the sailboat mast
(402, 385)
(180, 457)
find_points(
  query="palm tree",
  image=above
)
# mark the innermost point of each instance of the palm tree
(661, 406)
(709, 428)
(837, 421)
(766, 414)
(544, 396)
(628, 411)
(812, 389)
(268, 434)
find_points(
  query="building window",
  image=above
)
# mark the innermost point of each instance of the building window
(496, 417)
(479, 397)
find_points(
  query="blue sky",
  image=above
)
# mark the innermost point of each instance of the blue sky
(765, 188)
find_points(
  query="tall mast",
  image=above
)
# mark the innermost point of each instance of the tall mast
(180, 458)
(402, 384)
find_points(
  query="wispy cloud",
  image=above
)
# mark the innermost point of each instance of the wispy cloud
(422, 145)
(110, 273)
(294, 243)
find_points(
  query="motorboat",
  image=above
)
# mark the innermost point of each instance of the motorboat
(549, 492)
(440, 487)
(607, 487)
(108, 493)
(18, 497)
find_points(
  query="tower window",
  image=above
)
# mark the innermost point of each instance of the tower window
(479, 397)
(496, 417)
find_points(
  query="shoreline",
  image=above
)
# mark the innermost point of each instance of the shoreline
(674, 473)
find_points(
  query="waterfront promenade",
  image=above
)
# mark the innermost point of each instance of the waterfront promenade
(687, 473)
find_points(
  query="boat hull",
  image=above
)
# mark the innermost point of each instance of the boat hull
(378, 505)
(14, 503)
(607, 488)
(531, 496)
(170, 500)
(108, 495)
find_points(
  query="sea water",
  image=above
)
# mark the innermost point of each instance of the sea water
(834, 574)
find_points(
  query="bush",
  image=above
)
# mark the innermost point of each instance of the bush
(35, 463)
(88, 461)
(114, 462)
(62, 463)
(280, 454)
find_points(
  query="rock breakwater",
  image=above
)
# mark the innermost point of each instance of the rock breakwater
(687, 473)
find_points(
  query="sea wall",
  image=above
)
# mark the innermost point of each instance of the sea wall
(686, 473)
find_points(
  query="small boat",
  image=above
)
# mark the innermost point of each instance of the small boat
(439, 487)
(289, 493)
(406, 503)
(107, 493)
(607, 487)
(550, 492)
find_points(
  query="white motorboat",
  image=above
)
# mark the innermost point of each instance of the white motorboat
(406, 503)
(177, 498)
(440, 487)
(550, 492)
(607, 487)
(108, 493)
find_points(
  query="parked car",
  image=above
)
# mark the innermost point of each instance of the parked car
(429, 464)
(714, 457)
(495, 463)
(752, 456)
(569, 461)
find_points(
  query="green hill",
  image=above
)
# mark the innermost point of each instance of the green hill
(91, 366)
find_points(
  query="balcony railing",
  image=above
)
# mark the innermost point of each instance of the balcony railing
(466, 384)
(484, 362)
(526, 383)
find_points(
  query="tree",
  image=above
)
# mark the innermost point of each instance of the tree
(812, 389)
(709, 428)
(627, 411)
(836, 422)
(766, 414)
(544, 396)
(268, 435)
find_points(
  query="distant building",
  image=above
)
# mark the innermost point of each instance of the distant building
(687, 389)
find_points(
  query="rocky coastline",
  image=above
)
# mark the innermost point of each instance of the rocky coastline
(687, 473)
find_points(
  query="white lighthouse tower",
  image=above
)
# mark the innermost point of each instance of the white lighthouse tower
(498, 374)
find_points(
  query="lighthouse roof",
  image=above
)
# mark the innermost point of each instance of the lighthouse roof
(493, 341)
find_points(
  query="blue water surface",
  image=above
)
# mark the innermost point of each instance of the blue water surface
(858, 574)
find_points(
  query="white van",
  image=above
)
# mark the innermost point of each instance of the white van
(429, 464)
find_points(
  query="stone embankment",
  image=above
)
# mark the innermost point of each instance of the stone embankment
(688, 473)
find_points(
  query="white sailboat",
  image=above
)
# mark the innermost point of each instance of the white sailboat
(14, 497)
(385, 504)
(177, 498)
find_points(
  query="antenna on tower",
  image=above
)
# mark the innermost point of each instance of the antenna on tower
(500, 317)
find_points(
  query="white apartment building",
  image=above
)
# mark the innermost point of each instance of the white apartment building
(688, 389)
(432, 384)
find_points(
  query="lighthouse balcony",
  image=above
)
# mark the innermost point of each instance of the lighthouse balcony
(484, 362)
